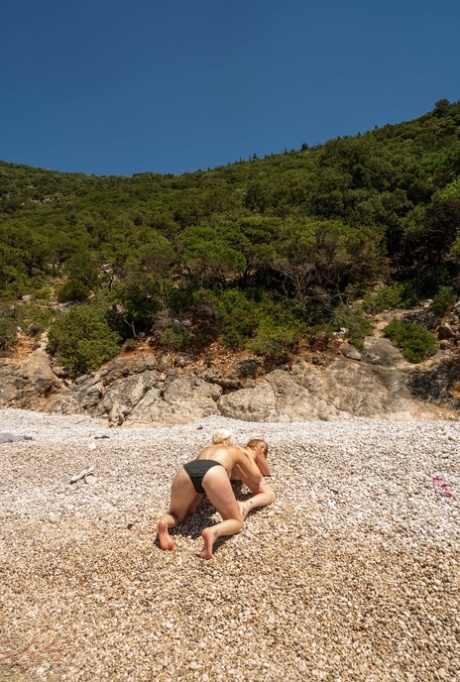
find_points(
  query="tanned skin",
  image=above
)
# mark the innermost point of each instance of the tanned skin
(217, 486)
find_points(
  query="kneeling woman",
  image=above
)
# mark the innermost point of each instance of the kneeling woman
(210, 474)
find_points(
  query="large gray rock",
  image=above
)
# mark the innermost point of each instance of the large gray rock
(29, 384)
(184, 398)
(112, 392)
(342, 389)
(281, 397)
(130, 390)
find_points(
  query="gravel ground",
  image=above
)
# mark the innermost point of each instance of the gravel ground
(351, 575)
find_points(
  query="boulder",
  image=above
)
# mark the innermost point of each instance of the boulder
(30, 384)
(184, 398)
(342, 389)
(131, 390)
(445, 331)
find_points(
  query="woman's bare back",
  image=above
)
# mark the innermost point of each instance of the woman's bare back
(230, 456)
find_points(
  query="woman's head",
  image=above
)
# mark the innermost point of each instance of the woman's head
(258, 444)
(222, 437)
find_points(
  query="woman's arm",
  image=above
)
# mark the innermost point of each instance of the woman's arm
(247, 466)
(262, 463)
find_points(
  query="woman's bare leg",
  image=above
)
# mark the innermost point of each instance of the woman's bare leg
(220, 493)
(263, 497)
(195, 502)
(166, 522)
(182, 495)
(210, 535)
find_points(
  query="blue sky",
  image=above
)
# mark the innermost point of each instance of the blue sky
(110, 87)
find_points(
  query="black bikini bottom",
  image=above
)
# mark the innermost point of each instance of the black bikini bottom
(197, 470)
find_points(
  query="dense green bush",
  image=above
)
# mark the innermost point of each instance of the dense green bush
(443, 301)
(82, 339)
(354, 320)
(174, 338)
(43, 294)
(250, 319)
(257, 322)
(277, 331)
(136, 303)
(171, 332)
(8, 333)
(235, 317)
(399, 295)
(34, 314)
(130, 345)
(414, 340)
(73, 290)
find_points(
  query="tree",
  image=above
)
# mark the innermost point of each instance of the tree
(319, 260)
(81, 267)
(82, 339)
(208, 259)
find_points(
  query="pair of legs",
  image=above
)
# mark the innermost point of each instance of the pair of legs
(220, 493)
(263, 496)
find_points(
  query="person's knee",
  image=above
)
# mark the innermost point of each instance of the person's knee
(238, 520)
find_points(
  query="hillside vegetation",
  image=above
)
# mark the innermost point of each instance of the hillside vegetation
(259, 254)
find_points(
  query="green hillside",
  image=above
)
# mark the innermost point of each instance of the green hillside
(257, 254)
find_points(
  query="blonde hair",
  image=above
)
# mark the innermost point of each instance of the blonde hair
(254, 442)
(222, 437)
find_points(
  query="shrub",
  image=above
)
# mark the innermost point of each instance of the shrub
(34, 329)
(170, 332)
(354, 320)
(443, 301)
(82, 339)
(414, 340)
(73, 290)
(277, 331)
(251, 320)
(259, 323)
(177, 339)
(400, 295)
(130, 345)
(43, 294)
(34, 314)
(8, 334)
(237, 318)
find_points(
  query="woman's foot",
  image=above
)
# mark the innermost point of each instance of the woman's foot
(164, 537)
(209, 537)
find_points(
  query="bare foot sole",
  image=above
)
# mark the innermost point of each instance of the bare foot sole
(208, 536)
(164, 537)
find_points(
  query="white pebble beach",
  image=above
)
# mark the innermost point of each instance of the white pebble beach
(352, 575)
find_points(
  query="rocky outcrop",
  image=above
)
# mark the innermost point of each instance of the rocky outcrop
(342, 389)
(28, 384)
(134, 390)
(441, 382)
(167, 389)
(328, 381)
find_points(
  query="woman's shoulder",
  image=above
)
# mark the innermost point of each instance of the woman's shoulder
(206, 451)
(215, 452)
